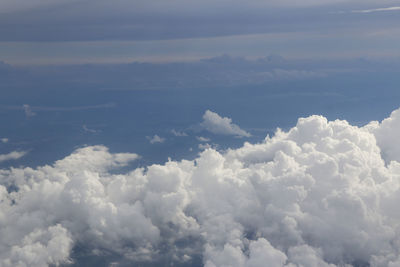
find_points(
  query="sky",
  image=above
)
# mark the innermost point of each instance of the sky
(68, 32)
(199, 133)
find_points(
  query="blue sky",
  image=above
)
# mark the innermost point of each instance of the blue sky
(199, 133)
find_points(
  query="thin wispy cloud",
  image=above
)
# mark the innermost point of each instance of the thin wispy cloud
(89, 130)
(202, 139)
(77, 108)
(178, 133)
(393, 8)
(30, 110)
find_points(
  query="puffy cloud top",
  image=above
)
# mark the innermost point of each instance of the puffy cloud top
(216, 124)
(320, 194)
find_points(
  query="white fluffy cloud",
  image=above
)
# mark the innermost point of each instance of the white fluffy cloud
(12, 155)
(325, 193)
(216, 124)
(387, 134)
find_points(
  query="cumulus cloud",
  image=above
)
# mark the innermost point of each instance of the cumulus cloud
(155, 139)
(4, 140)
(216, 124)
(387, 133)
(324, 193)
(12, 155)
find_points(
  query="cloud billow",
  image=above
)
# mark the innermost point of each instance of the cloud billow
(324, 193)
(216, 124)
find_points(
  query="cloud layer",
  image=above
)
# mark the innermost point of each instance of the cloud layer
(325, 193)
(64, 32)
